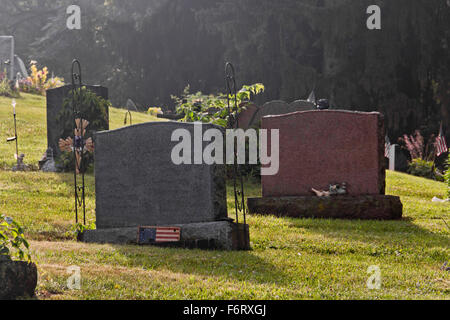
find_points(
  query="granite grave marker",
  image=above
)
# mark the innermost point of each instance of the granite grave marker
(137, 184)
(252, 115)
(322, 148)
(7, 56)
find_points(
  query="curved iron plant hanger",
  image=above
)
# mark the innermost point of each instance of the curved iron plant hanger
(125, 121)
(233, 123)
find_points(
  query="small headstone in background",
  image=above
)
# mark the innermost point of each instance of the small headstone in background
(251, 117)
(7, 55)
(246, 116)
(20, 166)
(47, 163)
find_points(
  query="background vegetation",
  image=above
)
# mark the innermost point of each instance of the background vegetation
(150, 49)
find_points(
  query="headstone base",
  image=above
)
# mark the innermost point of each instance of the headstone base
(366, 207)
(223, 235)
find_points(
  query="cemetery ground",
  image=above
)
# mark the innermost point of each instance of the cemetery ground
(290, 258)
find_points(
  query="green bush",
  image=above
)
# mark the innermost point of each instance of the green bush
(213, 108)
(425, 169)
(6, 90)
(66, 162)
(94, 109)
(12, 241)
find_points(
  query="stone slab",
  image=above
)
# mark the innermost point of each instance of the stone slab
(319, 148)
(17, 279)
(7, 53)
(226, 235)
(376, 207)
(55, 127)
(172, 116)
(137, 183)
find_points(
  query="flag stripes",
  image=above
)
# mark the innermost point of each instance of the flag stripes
(441, 145)
(387, 147)
(158, 234)
(167, 234)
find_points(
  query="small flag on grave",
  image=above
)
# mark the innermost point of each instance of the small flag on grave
(148, 235)
(441, 145)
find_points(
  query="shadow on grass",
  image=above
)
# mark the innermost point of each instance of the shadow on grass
(395, 233)
(228, 265)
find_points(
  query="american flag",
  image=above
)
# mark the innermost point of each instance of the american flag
(387, 146)
(441, 146)
(158, 234)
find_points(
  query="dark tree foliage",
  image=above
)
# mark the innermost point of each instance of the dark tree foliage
(149, 49)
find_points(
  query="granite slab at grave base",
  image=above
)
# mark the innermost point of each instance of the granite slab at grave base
(222, 235)
(17, 279)
(364, 207)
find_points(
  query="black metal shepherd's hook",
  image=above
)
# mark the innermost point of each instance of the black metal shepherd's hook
(78, 140)
(128, 113)
(233, 123)
(15, 138)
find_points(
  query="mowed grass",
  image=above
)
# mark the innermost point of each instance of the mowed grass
(290, 258)
(32, 127)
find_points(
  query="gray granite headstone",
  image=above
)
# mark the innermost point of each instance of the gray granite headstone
(7, 55)
(137, 183)
(56, 125)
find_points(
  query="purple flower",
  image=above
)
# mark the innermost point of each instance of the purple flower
(9, 220)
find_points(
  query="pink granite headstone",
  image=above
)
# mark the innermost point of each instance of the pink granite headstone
(319, 148)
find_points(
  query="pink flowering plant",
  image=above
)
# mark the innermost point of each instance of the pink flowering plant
(415, 144)
(422, 160)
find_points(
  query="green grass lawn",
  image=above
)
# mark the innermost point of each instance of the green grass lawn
(290, 258)
(32, 127)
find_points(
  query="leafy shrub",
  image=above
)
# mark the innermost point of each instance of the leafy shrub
(422, 156)
(77, 229)
(213, 108)
(66, 162)
(423, 168)
(5, 87)
(12, 240)
(94, 109)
